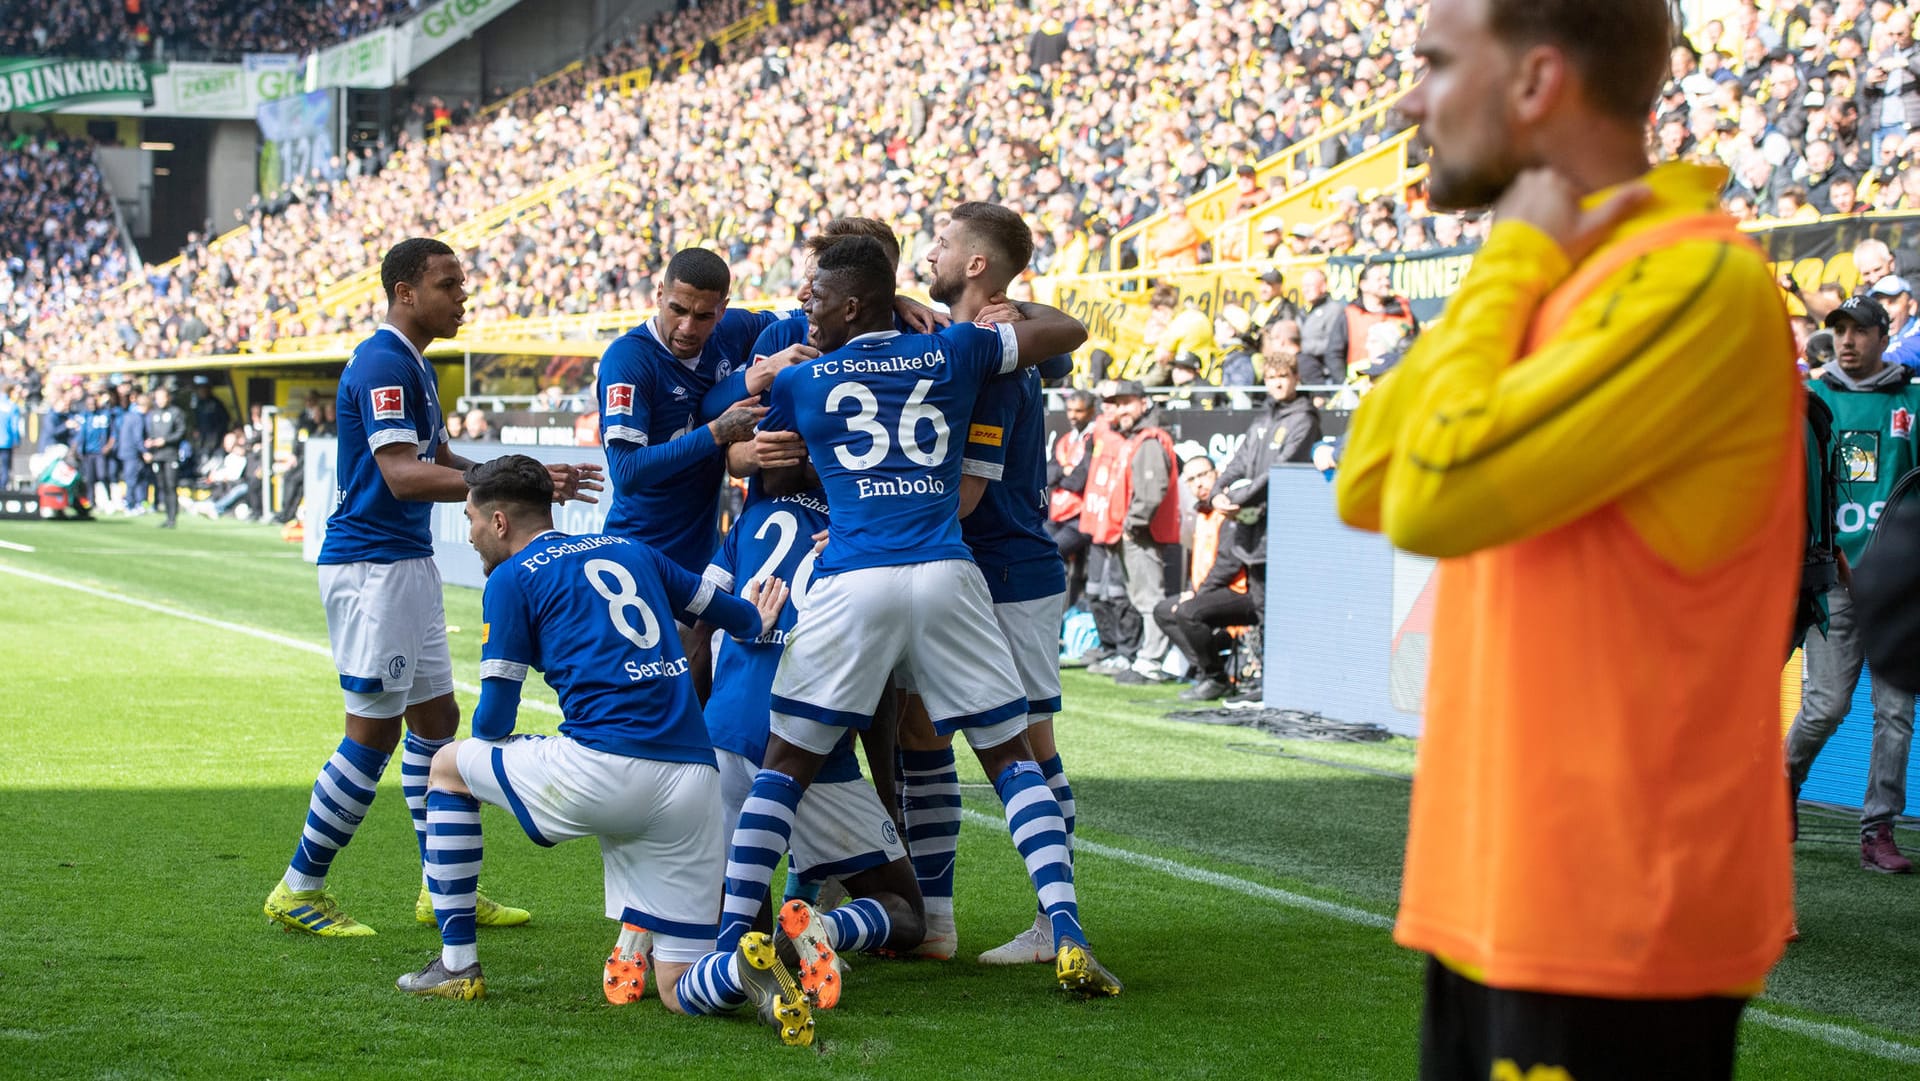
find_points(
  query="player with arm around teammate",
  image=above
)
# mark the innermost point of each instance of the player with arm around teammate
(631, 767)
(381, 589)
(896, 586)
(1003, 511)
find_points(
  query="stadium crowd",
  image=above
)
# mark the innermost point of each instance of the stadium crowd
(187, 29)
(1095, 144)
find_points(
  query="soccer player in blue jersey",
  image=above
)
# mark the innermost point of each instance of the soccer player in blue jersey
(896, 586)
(1003, 512)
(665, 463)
(631, 767)
(381, 590)
(840, 827)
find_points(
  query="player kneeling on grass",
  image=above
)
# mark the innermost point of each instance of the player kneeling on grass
(632, 766)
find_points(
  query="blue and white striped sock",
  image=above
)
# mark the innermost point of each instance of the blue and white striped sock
(858, 925)
(1040, 833)
(759, 840)
(931, 806)
(341, 795)
(416, 759)
(711, 985)
(453, 872)
(1056, 775)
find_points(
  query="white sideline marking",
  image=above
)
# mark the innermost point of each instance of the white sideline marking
(1840, 1036)
(1343, 913)
(12, 547)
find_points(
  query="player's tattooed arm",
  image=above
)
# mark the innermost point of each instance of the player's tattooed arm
(737, 422)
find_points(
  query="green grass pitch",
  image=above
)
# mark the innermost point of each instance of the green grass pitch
(164, 724)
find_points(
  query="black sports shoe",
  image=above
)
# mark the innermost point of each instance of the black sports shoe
(1207, 690)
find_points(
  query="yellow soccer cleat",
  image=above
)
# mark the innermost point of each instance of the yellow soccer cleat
(466, 985)
(626, 971)
(780, 1001)
(486, 911)
(1079, 972)
(312, 911)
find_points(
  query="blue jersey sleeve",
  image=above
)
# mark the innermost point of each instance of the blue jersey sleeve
(380, 392)
(982, 350)
(507, 651)
(626, 395)
(695, 597)
(724, 568)
(994, 413)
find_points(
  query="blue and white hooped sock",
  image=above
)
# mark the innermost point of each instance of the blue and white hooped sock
(931, 807)
(416, 761)
(711, 984)
(1056, 775)
(759, 840)
(1040, 834)
(453, 872)
(341, 795)
(858, 925)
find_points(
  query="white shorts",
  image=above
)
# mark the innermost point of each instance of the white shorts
(1033, 636)
(933, 621)
(840, 829)
(662, 842)
(388, 627)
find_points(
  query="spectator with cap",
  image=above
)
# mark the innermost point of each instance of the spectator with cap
(1896, 296)
(1270, 301)
(1185, 378)
(1874, 406)
(1135, 508)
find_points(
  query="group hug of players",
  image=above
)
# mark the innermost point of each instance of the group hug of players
(889, 577)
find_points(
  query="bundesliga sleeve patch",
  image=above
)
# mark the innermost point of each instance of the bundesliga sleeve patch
(620, 400)
(985, 435)
(389, 403)
(486, 632)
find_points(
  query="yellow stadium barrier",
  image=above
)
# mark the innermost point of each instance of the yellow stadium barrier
(493, 107)
(360, 286)
(1209, 209)
(1383, 169)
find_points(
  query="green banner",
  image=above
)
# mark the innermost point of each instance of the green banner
(44, 85)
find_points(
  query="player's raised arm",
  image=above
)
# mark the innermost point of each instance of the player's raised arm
(1044, 332)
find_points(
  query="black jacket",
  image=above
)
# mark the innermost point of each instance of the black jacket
(1286, 433)
(168, 425)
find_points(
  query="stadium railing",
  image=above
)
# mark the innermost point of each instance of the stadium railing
(361, 286)
(545, 80)
(1384, 168)
(1209, 209)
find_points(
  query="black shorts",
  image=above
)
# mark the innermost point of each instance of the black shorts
(1471, 1032)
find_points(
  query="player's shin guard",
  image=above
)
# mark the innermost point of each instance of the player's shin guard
(931, 806)
(759, 840)
(341, 796)
(453, 872)
(858, 925)
(416, 760)
(1040, 833)
(710, 985)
